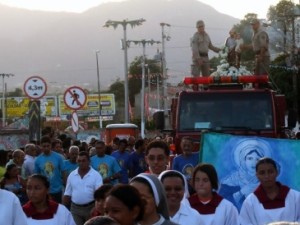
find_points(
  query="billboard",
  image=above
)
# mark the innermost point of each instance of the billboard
(19, 106)
(91, 106)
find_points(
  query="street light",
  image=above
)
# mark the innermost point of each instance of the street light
(158, 58)
(124, 23)
(99, 96)
(3, 95)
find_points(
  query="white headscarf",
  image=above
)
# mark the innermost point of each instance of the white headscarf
(186, 188)
(158, 192)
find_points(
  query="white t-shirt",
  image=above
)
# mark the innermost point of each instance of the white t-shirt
(80, 189)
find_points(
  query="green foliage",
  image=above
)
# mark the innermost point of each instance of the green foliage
(117, 88)
(135, 71)
(16, 93)
(281, 18)
(282, 77)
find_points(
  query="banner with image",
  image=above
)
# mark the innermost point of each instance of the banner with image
(235, 157)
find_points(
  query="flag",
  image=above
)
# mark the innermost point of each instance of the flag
(235, 157)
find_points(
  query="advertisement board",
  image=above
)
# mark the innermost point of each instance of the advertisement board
(19, 106)
(91, 106)
(53, 106)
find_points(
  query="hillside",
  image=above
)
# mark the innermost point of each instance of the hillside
(60, 47)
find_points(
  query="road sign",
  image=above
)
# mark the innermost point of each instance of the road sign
(35, 87)
(75, 122)
(75, 97)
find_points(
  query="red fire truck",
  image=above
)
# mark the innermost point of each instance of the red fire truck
(240, 105)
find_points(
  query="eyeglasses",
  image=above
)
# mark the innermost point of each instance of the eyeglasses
(157, 158)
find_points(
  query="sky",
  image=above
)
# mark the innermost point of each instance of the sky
(235, 8)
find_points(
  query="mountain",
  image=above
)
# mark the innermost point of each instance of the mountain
(60, 47)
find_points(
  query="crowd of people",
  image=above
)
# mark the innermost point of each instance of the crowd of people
(131, 182)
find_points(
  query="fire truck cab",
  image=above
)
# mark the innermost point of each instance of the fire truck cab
(244, 105)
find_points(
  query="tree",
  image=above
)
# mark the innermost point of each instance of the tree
(282, 18)
(117, 88)
(135, 79)
(18, 92)
(282, 78)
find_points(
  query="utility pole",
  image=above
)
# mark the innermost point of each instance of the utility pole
(124, 24)
(143, 42)
(99, 95)
(3, 75)
(164, 67)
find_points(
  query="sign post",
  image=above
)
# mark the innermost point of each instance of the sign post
(75, 98)
(35, 88)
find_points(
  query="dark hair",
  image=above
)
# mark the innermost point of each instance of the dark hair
(101, 220)
(56, 141)
(124, 141)
(266, 160)
(8, 169)
(102, 191)
(210, 171)
(172, 174)
(130, 197)
(84, 153)
(108, 149)
(77, 142)
(41, 178)
(139, 143)
(116, 140)
(46, 139)
(158, 144)
(187, 138)
(100, 142)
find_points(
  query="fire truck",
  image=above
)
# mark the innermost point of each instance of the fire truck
(239, 105)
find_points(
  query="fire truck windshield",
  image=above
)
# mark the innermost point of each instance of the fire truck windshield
(225, 111)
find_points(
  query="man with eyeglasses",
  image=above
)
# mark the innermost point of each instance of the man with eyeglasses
(157, 156)
(201, 44)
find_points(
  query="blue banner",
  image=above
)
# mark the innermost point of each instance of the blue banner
(235, 157)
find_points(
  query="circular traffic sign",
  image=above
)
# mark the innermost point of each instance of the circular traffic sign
(75, 97)
(35, 87)
(75, 122)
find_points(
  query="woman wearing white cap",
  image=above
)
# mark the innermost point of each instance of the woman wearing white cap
(176, 188)
(152, 191)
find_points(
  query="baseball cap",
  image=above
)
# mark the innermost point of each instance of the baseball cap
(199, 23)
